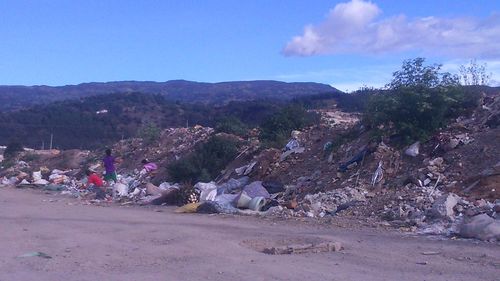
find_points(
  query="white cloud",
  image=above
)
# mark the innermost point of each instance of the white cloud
(354, 27)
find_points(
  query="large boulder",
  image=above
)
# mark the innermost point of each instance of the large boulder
(482, 227)
(443, 207)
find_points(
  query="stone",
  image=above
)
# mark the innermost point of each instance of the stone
(452, 144)
(481, 227)
(442, 208)
(413, 150)
(370, 195)
(437, 161)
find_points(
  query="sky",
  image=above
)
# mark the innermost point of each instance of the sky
(347, 44)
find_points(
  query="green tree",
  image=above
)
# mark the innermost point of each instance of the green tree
(415, 74)
(419, 100)
(149, 132)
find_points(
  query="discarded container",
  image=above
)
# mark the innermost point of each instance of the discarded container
(257, 203)
(243, 200)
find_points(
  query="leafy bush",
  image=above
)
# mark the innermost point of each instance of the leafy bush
(231, 125)
(30, 157)
(13, 148)
(420, 99)
(275, 130)
(206, 162)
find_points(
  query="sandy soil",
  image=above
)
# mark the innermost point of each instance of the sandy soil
(89, 242)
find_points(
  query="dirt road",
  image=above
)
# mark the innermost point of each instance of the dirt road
(131, 243)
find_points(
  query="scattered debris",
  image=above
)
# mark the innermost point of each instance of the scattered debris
(305, 248)
(35, 254)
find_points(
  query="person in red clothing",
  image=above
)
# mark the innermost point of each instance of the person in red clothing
(94, 184)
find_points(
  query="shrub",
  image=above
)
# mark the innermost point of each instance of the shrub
(275, 130)
(231, 125)
(30, 157)
(206, 162)
(13, 148)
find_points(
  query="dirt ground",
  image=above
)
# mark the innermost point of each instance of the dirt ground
(88, 242)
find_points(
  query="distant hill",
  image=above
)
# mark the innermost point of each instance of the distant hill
(96, 121)
(19, 97)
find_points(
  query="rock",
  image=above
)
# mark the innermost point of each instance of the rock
(482, 227)
(437, 161)
(316, 207)
(442, 208)
(232, 185)
(497, 208)
(255, 189)
(245, 170)
(413, 150)
(452, 144)
(370, 195)
(273, 186)
(152, 189)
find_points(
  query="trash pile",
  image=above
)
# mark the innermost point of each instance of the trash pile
(448, 185)
(236, 196)
(67, 167)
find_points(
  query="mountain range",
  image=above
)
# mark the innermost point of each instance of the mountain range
(20, 97)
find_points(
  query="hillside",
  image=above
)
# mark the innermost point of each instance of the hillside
(100, 120)
(19, 97)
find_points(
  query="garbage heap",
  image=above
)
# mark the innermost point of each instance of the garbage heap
(447, 185)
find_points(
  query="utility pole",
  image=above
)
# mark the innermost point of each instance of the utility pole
(43, 145)
(51, 138)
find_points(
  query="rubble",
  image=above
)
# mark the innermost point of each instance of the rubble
(448, 185)
(443, 207)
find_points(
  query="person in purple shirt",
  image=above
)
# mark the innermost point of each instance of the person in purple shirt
(109, 165)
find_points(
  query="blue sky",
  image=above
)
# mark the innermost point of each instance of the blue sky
(343, 43)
